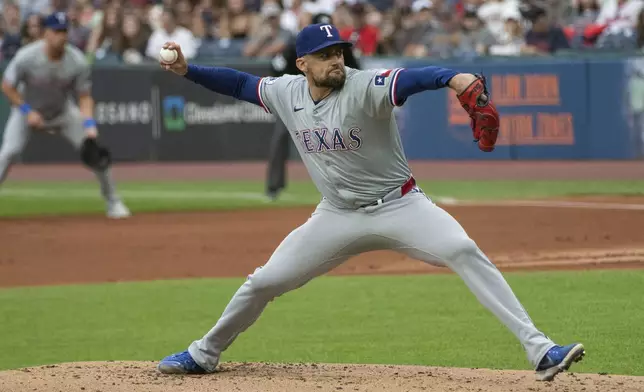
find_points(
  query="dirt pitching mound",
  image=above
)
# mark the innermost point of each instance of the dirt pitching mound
(254, 377)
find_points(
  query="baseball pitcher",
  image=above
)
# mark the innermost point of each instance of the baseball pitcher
(342, 124)
(41, 82)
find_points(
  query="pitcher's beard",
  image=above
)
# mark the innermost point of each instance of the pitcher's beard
(333, 80)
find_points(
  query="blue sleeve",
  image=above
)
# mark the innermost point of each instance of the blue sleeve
(226, 81)
(415, 80)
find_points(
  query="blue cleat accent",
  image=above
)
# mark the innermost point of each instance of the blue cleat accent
(559, 359)
(180, 363)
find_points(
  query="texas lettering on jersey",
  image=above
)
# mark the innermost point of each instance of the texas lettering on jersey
(349, 140)
(326, 140)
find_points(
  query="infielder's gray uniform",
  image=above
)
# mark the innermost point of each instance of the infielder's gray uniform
(49, 87)
(350, 144)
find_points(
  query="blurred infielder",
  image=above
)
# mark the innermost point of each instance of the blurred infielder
(341, 121)
(40, 82)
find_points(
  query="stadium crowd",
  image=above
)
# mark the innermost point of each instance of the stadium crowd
(134, 30)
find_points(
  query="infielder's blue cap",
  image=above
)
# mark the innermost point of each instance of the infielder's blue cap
(316, 37)
(56, 21)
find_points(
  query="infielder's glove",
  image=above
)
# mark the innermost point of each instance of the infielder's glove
(484, 118)
(95, 156)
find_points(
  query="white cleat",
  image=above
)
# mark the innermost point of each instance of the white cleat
(117, 210)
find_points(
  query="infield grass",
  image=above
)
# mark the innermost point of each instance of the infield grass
(423, 319)
(18, 198)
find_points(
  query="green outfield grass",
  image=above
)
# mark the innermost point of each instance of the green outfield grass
(429, 320)
(37, 198)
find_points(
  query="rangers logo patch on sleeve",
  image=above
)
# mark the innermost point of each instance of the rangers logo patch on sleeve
(381, 78)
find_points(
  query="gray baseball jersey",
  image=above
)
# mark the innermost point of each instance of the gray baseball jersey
(47, 86)
(349, 141)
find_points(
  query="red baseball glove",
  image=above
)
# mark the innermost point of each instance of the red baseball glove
(485, 119)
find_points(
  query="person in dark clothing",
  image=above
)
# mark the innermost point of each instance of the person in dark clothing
(284, 64)
(544, 37)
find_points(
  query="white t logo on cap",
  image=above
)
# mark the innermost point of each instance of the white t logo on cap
(327, 28)
(61, 17)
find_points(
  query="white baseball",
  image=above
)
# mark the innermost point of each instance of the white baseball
(168, 56)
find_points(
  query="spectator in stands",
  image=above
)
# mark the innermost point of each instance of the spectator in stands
(443, 9)
(58, 6)
(512, 42)
(12, 30)
(491, 13)
(440, 32)
(206, 20)
(78, 34)
(105, 32)
(315, 7)
(269, 39)
(450, 40)
(183, 10)
(477, 32)
(582, 31)
(237, 22)
(133, 39)
(397, 31)
(29, 7)
(617, 15)
(364, 36)
(373, 17)
(171, 31)
(585, 13)
(557, 10)
(342, 16)
(31, 30)
(460, 7)
(11, 20)
(619, 21)
(292, 16)
(90, 16)
(544, 37)
(141, 9)
(9, 44)
(385, 6)
(416, 39)
(155, 12)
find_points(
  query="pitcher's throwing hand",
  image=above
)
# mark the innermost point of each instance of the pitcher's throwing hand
(180, 66)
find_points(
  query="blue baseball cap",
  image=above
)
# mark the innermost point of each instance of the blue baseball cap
(316, 37)
(56, 21)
